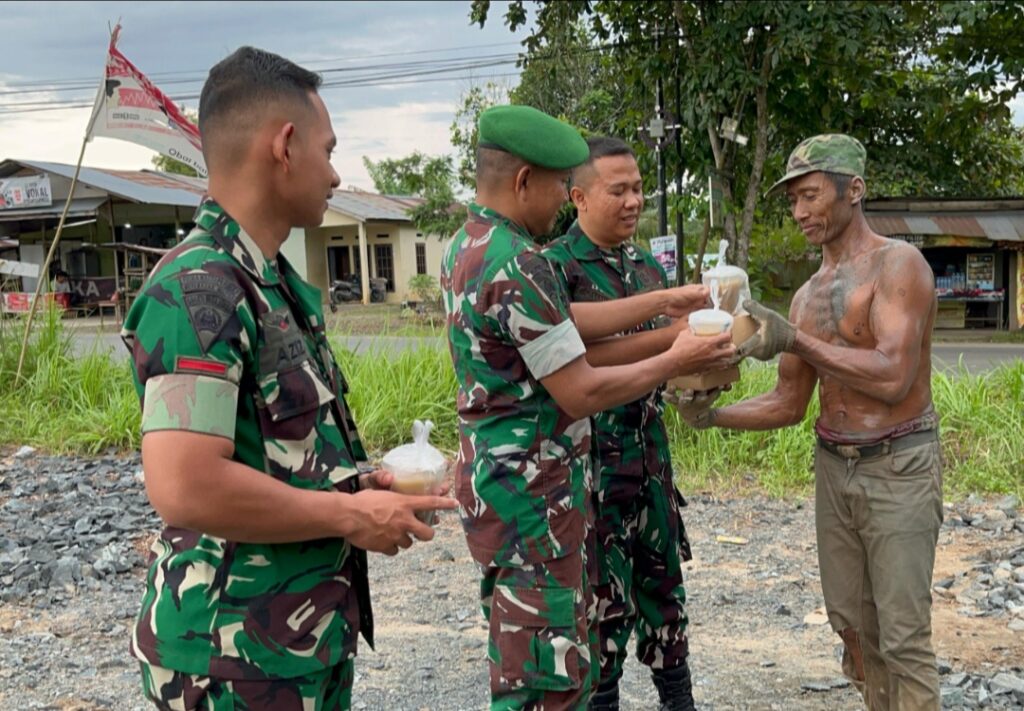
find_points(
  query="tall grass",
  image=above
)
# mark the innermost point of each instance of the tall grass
(85, 404)
(63, 402)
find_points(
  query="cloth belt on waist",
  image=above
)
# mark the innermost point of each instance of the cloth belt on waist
(853, 451)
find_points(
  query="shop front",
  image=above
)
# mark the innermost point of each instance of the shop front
(974, 250)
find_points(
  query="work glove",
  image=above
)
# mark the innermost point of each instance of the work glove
(774, 334)
(696, 407)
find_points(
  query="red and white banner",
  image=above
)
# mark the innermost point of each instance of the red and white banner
(129, 107)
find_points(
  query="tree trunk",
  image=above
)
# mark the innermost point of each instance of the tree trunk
(757, 169)
(701, 248)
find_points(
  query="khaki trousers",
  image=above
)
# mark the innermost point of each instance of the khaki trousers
(877, 525)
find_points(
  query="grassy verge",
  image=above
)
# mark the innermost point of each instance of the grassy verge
(63, 403)
(86, 404)
(380, 320)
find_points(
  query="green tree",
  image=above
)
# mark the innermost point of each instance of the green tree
(169, 165)
(431, 179)
(900, 76)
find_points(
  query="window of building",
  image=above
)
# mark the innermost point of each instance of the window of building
(384, 261)
(421, 258)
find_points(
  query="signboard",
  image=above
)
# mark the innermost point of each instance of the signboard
(25, 191)
(92, 289)
(19, 302)
(981, 271)
(663, 249)
(19, 269)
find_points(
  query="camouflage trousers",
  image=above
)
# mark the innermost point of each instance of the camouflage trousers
(329, 690)
(641, 544)
(543, 633)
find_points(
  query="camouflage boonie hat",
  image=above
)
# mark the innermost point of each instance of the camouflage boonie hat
(829, 152)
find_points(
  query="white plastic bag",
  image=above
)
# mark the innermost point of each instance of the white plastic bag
(733, 284)
(419, 468)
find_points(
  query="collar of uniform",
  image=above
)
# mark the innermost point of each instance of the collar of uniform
(583, 249)
(486, 214)
(212, 218)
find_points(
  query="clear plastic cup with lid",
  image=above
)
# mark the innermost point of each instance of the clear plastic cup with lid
(710, 322)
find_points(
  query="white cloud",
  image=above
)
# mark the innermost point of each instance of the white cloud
(388, 132)
(378, 132)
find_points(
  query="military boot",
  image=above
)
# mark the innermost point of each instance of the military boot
(606, 698)
(675, 690)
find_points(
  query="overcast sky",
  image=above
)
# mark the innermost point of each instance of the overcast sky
(47, 42)
(174, 41)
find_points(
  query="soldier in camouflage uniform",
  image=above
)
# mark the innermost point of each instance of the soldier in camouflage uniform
(641, 539)
(523, 476)
(257, 586)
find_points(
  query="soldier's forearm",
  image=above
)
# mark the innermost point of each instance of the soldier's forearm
(600, 319)
(629, 349)
(192, 487)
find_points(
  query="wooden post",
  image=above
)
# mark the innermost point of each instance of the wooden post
(49, 257)
(364, 264)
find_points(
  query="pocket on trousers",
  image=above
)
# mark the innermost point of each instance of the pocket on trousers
(535, 633)
(920, 460)
(685, 550)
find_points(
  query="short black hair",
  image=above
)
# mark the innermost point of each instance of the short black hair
(493, 164)
(841, 182)
(242, 83)
(602, 147)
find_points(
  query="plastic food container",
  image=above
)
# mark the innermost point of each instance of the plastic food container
(710, 322)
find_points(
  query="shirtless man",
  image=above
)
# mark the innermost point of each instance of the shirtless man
(860, 328)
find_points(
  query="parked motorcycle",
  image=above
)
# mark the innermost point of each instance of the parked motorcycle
(349, 289)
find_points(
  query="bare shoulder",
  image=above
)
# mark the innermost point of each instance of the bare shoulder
(903, 262)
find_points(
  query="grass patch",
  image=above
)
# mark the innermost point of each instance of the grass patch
(380, 320)
(1008, 337)
(64, 403)
(87, 404)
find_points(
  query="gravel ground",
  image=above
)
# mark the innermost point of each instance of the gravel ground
(74, 534)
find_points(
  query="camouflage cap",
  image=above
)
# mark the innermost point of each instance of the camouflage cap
(829, 152)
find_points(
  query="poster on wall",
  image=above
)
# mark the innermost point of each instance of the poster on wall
(981, 271)
(25, 191)
(663, 249)
(1020, 289)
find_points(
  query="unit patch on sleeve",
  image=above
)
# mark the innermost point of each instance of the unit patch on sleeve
(211, 301)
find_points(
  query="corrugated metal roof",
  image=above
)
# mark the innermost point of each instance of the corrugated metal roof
(371, 206)
(1007, 226)
(79, 207)
(142, 186)
(153, 187)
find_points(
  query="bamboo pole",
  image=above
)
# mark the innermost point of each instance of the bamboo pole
(43, 279)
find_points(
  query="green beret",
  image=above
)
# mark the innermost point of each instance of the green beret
(829, 152)
(533, 136)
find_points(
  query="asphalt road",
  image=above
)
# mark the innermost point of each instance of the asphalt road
(977, 357)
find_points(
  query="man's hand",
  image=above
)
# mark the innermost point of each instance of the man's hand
(681, 300)
(774, 333)
(378, 479)
(700, 354)
(696, 407)
(384, 521)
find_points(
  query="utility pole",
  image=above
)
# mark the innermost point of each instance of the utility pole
(656, 134)
(680, 237)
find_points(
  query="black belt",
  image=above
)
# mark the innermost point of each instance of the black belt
(866, 451)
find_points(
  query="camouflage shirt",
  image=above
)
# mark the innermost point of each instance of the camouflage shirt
(630, 439)
(523, 476)
(227, 343)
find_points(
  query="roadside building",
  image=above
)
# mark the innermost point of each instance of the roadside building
(975, 248)
(121, 221)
